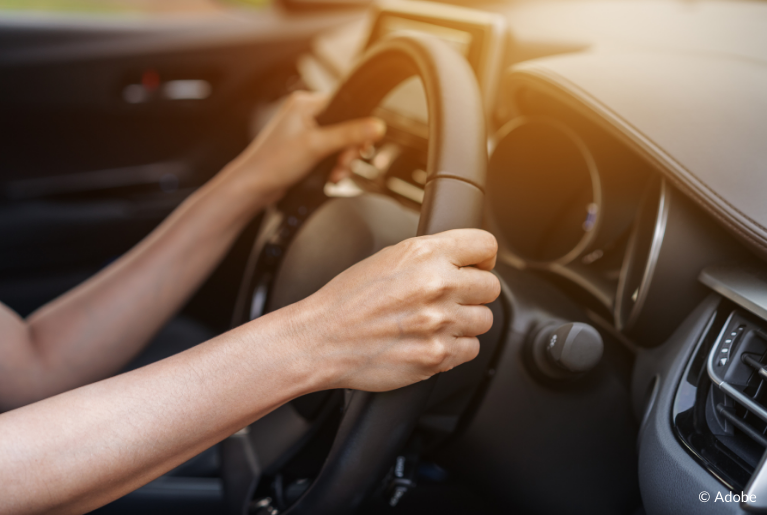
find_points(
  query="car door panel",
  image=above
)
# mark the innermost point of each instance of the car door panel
(85, 170)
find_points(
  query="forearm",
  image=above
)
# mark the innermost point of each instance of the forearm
(92, 331)
(81, 449)
(400, 316)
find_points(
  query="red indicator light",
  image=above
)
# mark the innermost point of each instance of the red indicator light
(150, 79)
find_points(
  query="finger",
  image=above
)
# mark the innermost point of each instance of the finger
(343, 165)
(471, 321)
(474, 286)
(368, 151)
(488, 264)
(464, 349)
(338, 174)
(467, 247)
(310, 102)
(346, 157)
(346, 134)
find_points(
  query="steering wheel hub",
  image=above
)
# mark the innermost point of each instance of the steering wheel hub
(342, 232)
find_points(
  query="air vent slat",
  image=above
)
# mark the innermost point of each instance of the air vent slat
(749, 360)
(736, 421)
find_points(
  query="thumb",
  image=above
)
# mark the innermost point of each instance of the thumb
(349, 134)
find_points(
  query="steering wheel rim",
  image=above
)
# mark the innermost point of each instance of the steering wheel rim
(375, 426)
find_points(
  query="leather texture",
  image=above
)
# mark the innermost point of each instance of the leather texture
(376, 426)
(456, 124)
(700, 119)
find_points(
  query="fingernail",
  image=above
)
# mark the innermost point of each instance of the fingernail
(376, 128)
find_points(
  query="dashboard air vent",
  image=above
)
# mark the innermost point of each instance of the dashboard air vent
(736, 409)
(736, 364)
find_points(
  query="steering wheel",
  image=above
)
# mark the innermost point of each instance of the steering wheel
(375, 426)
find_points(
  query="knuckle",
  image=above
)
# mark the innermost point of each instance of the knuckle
(430, 321)
(436, 354)
(410, 245)
(418, 248)
(435, 285)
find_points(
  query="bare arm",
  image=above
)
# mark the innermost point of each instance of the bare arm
(396, 318)
(95, 329)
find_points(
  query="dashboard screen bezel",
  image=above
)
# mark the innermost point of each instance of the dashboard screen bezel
(488, 32)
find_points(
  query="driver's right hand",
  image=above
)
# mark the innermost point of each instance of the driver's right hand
(404, 314)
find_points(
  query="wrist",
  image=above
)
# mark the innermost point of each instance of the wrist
(251, 179)
(302, 334)
(233, 200)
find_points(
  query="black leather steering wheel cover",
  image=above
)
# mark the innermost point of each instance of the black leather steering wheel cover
(376, 425)
(454, 104)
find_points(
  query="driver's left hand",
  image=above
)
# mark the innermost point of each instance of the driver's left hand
(293, 142)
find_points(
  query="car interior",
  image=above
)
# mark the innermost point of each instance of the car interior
(615, 148)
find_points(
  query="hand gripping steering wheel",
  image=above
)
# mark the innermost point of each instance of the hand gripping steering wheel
(375, 426)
